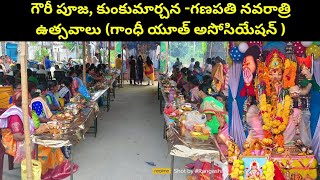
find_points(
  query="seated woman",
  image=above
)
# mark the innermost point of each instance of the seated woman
(183, 79)
(176, 74)
(32, 78)
(207, 80)
(215, 112)
(39, 105)
(50, 97)
(194, 90)
(197, 71)
(77, 86)
(91, 76)
(65, 91)
(52, 160)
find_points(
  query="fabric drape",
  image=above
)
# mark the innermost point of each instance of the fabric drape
(236, 127)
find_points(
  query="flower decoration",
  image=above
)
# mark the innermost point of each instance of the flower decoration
(289, 74)
(268, 170)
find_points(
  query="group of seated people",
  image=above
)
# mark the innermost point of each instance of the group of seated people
(209, 101)
(45, 100)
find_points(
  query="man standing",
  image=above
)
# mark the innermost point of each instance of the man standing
(118, 63)
(191, 64)
(42, 71)
(47, 63)
(178, 64)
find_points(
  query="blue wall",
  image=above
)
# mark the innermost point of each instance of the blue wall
(12, 51)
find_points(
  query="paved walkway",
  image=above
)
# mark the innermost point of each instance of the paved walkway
(128, 135)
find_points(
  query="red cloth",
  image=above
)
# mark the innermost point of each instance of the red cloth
(60, 172)
(15, 124)
(218, 174)
(206, 168)
(247, 90)
(278, 174)
(305, 61)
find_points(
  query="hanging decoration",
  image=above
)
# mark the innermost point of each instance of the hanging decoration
(280, 45)
(252, 43)
(243, 47)
(313, 49)
(306, 43)
(235, 54)
(299, 49)
(229, 47)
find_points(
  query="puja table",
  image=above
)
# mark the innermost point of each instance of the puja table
(186, 146)
(71, 136)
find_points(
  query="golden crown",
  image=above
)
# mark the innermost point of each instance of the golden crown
(276, 61)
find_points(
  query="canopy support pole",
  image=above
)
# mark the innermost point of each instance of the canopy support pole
(25, 108)
(84, 79)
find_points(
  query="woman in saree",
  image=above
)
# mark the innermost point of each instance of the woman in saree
(197, 71)
(149, 70)
(39, 105)
(140, 69)
(65, 92)
(77, 86)
(52, 160)
(216, 116)
(194, 90)
(42, 110)
(51, 100)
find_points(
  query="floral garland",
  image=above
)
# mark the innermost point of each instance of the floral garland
(263, 76)
(268, 170)
(237, 171)
(276, 113)
(289, 74)
(275, 120)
